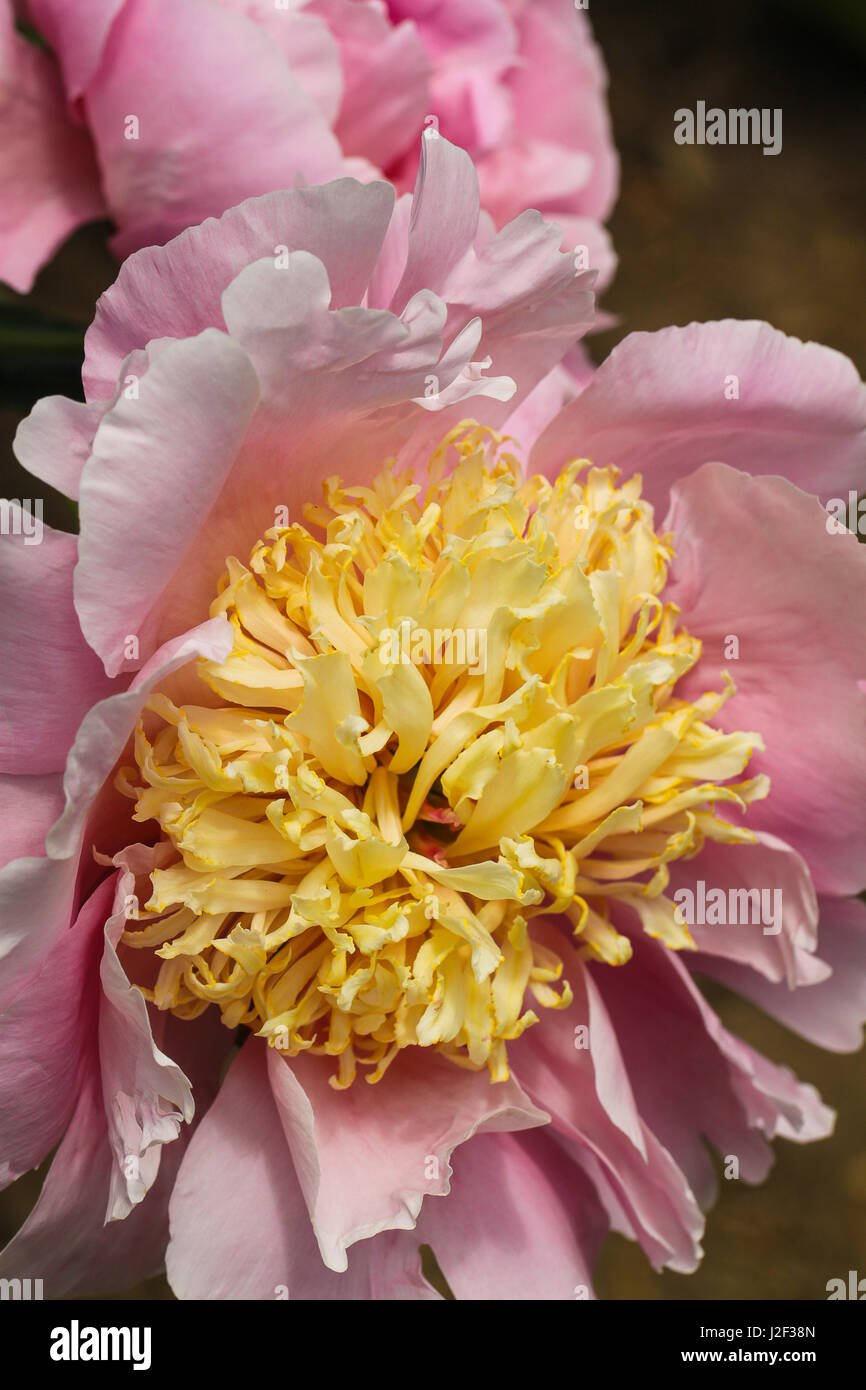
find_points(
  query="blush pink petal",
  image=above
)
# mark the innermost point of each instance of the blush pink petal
(385, 80)
(29, 806)
(558, 54)
(176, 290)
(657, 406)
(308, 46)
(261, 129)
(66, 1237)
(692, 1080)
(47, 170)
(77, 34)
(830, 1013)
(755, 561)
(770, 867)
(587, 1091)
(43, 1034)
(239, 1224)
(367, 1157)
(37, 893)
(180, 433)
(520, 1222)
(147, 1097)
(54, 441)
(47, 665)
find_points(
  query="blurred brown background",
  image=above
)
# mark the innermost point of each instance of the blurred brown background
(702, 232)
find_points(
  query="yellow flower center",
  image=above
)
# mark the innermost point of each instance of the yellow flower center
(448, 711)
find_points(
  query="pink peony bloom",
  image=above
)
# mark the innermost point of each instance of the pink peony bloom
(297, 848)
(158, 114)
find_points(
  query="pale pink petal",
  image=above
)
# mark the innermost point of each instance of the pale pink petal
(43, 1034)
(755, 562)
(691, 1080)
(37, 894)
(176, 290)
(558, 54)
(147, 1097)
(66, 1237)
(830, 1013)
(54, 441)
(51, 676)
(47, 170)
(309, 48)
(239, 1223)
(775, 933)
(181, 434)
(29, 806)
(367, 1157)
(385, 75)
(658, 406)
(232, 124)
(570, 1064)
(77, 34)
(520, 1222)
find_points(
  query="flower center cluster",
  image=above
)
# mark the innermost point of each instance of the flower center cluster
(448, 709)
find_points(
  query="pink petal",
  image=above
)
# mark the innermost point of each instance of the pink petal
(29, 806)
(385, 74)
(657, 406)
(239, 1224)
(830, 1013)
(54, 441)
(248, 126)
(588, 1094)
(47, 169)
(181, 434)
(366, 1157)
(520, 1222)
(773, 869)
(691, 1079)
(52, 678)
(77, 34)
(755, 560)
(176, 290)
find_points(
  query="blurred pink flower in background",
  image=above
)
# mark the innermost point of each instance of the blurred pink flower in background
(227, 375)
(157, 114)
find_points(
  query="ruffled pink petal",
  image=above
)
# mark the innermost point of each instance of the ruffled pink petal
(66, 1237)
(584, 1082)
(37, 895)
(558, 54)
(776, 933)
(385, 77)
(691, 1079)
(520, 1222)
(147, 1097)
(830, 1013)
(658, 406)
(47, 170)
(181, 434)
(51, 676)
(43, 1034)
(176, 290)
(54, 441)
(308, 46)
(367, 1157)
(239, 1224)
(247, 125)
(755, 561)
(77, 34)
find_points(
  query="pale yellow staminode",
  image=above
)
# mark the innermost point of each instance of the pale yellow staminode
(363, 843)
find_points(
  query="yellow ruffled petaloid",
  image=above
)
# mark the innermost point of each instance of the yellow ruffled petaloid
(367, 817)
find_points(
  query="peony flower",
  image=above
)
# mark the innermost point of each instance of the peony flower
(158, 115)
(395, 742)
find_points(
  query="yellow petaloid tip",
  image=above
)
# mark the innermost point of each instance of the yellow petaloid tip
(446, 713)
